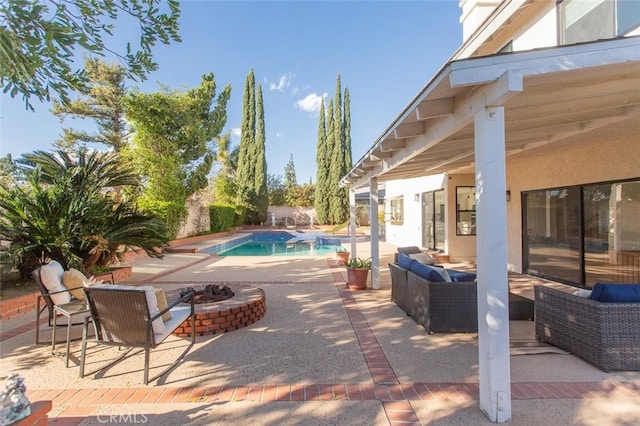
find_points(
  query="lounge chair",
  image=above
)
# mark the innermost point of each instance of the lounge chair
(125, 316)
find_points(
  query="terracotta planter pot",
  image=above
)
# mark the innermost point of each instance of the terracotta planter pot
(343, 257)
(357, 278)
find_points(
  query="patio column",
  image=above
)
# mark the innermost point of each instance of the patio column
(375, 234)
(352, 220)
(491, 245)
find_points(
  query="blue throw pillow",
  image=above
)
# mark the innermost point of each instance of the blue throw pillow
(616, 293)
(404, 261)
(427, 272)
(461, 276)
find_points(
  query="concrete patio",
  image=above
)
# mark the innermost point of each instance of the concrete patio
(322, 355)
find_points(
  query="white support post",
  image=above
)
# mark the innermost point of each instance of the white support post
(352, 221)
(375, 234)
(493, 284)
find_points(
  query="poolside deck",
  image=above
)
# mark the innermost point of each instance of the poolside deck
(321, 355)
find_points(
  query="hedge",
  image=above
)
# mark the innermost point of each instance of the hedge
(221, 218)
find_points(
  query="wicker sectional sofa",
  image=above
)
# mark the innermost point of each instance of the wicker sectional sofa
(437, 306)
(606, 335)
(443, 306)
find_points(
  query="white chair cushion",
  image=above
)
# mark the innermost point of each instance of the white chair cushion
(152, 303)
(51, 277)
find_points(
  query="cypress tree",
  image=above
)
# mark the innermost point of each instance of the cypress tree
(246, 169)
(290, 173)
(260, 182)
(348, 160)
(346, 157)
(336, 199)
(322, 173)
(330, 159)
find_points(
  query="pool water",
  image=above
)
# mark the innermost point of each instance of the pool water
(274, 243)
(277, 248)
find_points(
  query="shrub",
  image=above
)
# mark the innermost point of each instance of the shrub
(221, 218)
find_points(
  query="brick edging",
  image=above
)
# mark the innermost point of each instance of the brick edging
(10, 308)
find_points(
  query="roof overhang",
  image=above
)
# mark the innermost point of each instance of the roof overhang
(548, 95)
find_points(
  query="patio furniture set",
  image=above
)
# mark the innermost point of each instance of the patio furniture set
(118, 315)
(603, 329)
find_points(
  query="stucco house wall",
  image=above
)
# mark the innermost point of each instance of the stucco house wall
(410, 232)
(604, 154)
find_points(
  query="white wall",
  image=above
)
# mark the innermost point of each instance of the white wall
(543, 32)
(410, 232)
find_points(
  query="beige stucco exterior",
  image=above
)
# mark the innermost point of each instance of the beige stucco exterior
(604, 154)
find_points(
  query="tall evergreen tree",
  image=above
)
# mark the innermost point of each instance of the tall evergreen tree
(348, 160)
(260, 178)
(322, 173)
(246, 169)
(103, 101)
(290, 173)
(337, 203)
(328, 192)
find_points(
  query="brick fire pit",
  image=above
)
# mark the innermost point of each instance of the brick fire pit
(245, 308)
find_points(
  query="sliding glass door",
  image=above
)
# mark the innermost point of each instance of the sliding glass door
(583, 234)
(433, 223)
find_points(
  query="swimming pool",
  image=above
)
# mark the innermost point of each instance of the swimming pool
(274, 243)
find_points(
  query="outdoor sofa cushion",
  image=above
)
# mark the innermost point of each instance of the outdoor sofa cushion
(616, 293)
(427, 272)
(423, 258)
(404, 261)
(461, 276)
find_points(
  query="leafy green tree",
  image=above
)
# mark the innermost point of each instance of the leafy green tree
(290, 173)
(101, 100)
(8, 171)
(171, 147)
(322, 173)
(40, 40)
(225, 189)
(65, 211)
(276, 190)
(300, 195)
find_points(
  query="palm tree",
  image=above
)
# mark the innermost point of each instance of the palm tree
(65, 210)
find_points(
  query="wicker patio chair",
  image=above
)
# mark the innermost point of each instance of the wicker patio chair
(606, 335)
(122, 317)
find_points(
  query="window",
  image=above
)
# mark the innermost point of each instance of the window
(465, 210)
(583, 234)
(397, 210)
(590, 20)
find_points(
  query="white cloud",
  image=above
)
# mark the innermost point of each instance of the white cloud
(283, 82)
(279, 135)
(236, 131)
(311, 102)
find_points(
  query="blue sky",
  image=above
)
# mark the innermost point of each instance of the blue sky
(385, 52)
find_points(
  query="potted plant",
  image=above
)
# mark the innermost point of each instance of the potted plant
(342, 254)
(357, 273)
